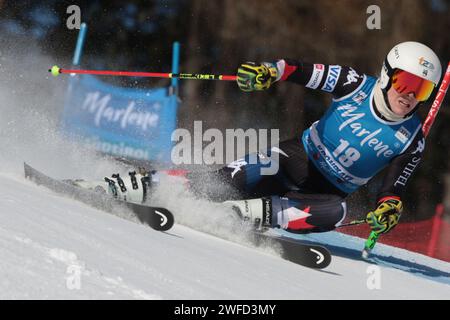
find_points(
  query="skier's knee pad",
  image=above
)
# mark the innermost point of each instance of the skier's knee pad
(308, 213)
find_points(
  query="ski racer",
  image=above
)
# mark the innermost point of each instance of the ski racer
(371, 124)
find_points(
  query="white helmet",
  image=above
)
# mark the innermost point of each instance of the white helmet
(412, 57)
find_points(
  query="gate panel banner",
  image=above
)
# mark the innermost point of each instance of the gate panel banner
(125, 122)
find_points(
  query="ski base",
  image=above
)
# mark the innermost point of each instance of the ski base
(157, 218)
(308, 255)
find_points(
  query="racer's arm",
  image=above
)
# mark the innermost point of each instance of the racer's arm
(402, 168)
(335, 79)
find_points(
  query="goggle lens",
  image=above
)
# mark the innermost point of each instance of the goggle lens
(405, 82)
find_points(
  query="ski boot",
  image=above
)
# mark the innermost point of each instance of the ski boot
(257, 212)
(136, 187)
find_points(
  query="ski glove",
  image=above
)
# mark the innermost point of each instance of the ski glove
(256, 77)
(385, 217)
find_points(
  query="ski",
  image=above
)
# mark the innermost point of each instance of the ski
(157, 218)
(304, 254)
(296, 251)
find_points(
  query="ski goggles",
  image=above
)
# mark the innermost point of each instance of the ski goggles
(405, 82)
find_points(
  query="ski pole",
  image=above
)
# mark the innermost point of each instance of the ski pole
(56, 71)
(352, 223)
(370, 242)
(429, 120)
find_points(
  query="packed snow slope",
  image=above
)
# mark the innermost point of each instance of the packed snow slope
(47, 239)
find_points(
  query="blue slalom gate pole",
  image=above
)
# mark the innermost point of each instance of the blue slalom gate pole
(175, 66)
(79, 46)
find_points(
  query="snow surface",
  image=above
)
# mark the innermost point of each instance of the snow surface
(45, 238)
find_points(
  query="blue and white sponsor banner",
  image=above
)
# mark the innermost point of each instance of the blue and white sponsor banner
(125, 122)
